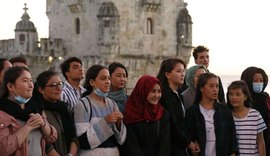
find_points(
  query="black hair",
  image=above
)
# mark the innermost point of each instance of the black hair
(202, 81)
(115, 65)
(91, 74)
(167, 66)
(240, 84)
(42, 80)
(66, 65)
(198, 50)
(10, 76)
(2, 63)
(18, 59)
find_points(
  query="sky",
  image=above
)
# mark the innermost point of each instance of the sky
(237, 32)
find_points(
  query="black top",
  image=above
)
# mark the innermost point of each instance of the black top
(179, 138)
(148, 138)
(226, 143)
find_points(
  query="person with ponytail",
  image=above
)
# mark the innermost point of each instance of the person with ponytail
(147, 121)
(98, 121)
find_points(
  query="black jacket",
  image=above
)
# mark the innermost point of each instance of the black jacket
(179, 138)
(148, 138)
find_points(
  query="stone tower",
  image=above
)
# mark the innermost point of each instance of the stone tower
(138, 33)
(26, 36)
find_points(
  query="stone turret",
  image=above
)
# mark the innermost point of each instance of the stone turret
(26, 36)
(184, 34)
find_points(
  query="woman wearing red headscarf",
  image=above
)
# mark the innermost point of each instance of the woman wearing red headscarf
(147, 122)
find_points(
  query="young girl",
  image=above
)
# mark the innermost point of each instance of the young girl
(171, 75)
(147, 121)
(24, 129)
(119, 75)
(209, 122)
(97, 118)
(248, 121)
(257, 80)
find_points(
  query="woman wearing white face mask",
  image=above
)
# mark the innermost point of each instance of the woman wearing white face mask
(98, 121)
(23, 125)
(257, 81)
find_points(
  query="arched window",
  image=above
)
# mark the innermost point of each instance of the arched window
(149, 26)
(77, 25)
(22, 38)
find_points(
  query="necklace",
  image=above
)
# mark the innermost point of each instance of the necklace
(208, 116)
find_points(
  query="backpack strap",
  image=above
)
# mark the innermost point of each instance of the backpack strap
(89, 105)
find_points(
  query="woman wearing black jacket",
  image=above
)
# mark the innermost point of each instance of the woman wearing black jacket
(171, 75)
(146, 120)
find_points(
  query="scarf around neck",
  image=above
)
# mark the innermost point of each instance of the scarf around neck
(120, 97)
(17, 112)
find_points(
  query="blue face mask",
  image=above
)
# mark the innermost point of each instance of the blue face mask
(98, 92)
(21, 100)
(257, 87)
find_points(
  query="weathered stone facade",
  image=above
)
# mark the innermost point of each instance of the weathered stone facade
(138, 33)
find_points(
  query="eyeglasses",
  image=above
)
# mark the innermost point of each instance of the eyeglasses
(55, 85)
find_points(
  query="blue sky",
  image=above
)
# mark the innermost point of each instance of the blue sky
(237, 32)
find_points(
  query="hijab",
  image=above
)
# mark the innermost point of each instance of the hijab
(137, 107)
(247, 76)
(190, 73)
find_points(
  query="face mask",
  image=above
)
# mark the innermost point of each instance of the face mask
(21, 100)
(257, 87)
(100, 93)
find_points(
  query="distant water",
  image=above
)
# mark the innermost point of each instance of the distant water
(227, 79)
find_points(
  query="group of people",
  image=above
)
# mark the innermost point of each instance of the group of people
(178, 112)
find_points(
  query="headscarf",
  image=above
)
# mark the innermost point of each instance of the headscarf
(248, 73)
(259, 100)
(137, 107)
(190, 73)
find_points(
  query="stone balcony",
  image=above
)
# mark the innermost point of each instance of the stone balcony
(151, 5)
(75, 6)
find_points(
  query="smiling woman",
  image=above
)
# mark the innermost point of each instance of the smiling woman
(24, 125)
(48, 89)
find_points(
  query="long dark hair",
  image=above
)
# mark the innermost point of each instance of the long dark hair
(165, 67)
(91, 74)
(202, 81)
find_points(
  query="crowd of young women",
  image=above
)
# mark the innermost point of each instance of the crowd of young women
(156, 119)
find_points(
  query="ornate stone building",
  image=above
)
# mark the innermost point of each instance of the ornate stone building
(138, 33)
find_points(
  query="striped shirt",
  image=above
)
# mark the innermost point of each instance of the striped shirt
(247, 129)
(71, 95)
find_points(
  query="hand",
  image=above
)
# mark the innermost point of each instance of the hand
(14, 123)
(194, 147)
(35, 120)
(114, 117)
(119, 115)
